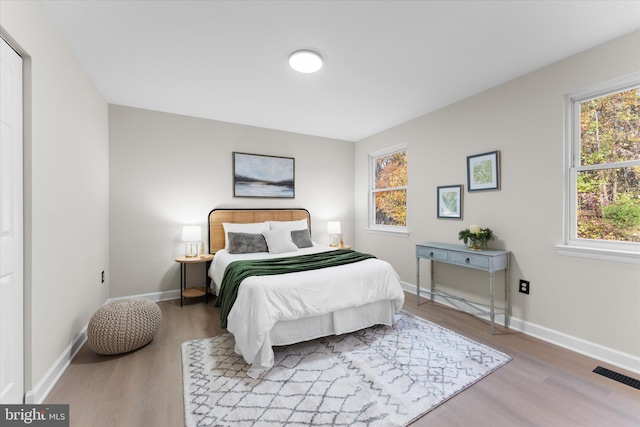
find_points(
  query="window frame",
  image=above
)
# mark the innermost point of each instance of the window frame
(572, 245)
(372, 226)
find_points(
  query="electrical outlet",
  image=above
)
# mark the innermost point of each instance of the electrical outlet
(524, 287)
(102, 277)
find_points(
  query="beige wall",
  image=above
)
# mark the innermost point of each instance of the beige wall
(169, 170)
(66, 189)
(590, 300)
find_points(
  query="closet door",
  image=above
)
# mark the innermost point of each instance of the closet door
(11, 228)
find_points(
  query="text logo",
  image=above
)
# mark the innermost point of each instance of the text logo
(34, 415)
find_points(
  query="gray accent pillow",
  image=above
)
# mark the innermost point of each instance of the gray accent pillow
(301, 238)
(246, 243)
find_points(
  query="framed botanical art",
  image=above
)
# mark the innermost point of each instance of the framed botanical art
(483, 171)
(450, 201)
(257, 175)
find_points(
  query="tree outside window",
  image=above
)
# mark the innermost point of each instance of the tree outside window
(607, 167)
(389, 189)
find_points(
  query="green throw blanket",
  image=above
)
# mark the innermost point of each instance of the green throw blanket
(237, 271)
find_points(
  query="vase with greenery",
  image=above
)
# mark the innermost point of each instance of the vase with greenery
(475, 237)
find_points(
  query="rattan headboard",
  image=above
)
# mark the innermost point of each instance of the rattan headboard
(243, 216)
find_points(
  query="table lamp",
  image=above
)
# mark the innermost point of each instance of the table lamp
(190, 235)
(334, 232)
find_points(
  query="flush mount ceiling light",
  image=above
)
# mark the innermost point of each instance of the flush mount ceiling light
(305, 61)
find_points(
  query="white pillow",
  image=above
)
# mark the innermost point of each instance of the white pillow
(251, 228)
(300, 224)
(279, 241)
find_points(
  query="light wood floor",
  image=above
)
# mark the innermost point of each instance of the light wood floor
(543, 385)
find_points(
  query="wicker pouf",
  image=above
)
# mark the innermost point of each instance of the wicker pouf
(123, 325)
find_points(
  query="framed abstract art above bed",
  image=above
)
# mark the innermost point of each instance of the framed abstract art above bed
(257, 175)
(276, 286)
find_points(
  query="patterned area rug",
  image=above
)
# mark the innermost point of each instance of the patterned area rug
(380, 376)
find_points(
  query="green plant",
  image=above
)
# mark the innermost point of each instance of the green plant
(624, 213)
(478, 239)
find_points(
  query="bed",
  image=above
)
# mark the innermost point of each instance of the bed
(343, 292)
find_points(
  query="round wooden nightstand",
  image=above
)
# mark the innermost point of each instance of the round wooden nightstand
(195, 291)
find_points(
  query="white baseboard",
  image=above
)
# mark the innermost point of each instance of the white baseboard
(154, 296)
(51, 377)
(40, 392)
(578, 345)
(584, 347)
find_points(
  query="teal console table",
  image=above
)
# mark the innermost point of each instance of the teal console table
(485, 260)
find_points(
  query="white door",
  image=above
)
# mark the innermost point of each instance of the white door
(11, 237)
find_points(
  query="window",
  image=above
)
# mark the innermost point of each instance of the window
(388, 195)
(604, 168)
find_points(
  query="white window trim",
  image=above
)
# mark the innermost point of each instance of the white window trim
(627, 252)
(372, 226)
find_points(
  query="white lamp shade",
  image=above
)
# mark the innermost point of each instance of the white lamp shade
(191, 233)
(333, 227)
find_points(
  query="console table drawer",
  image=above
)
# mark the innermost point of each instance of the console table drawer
(431, 253)
(477, 261)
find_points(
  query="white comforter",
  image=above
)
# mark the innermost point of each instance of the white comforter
(264, 300)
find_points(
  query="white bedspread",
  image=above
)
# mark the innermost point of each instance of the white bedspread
(265, 300)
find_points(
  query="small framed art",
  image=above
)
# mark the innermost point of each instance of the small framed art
(257, 175)
(450, 201)
(483, 171)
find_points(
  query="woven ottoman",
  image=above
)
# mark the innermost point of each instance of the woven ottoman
(123, 325)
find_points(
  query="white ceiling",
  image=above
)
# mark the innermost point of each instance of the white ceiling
(386, 62)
